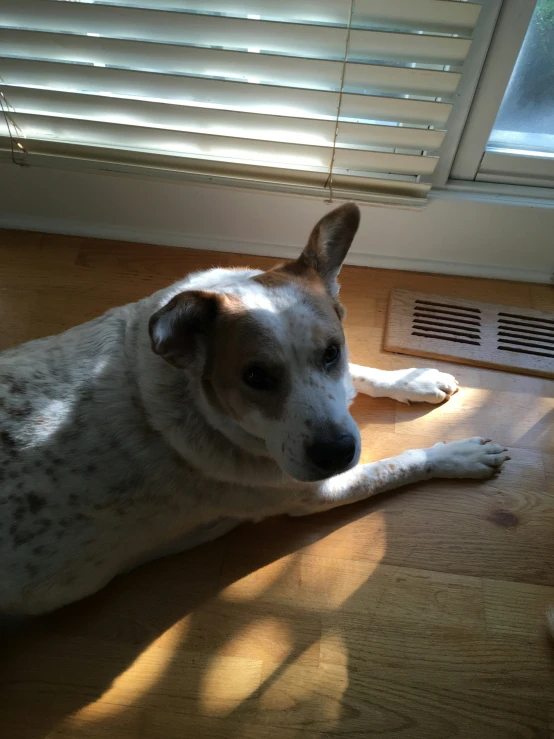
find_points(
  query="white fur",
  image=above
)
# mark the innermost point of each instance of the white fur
(110, 457)
(405, 385)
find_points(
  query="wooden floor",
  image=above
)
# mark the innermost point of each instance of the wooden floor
(418, 615)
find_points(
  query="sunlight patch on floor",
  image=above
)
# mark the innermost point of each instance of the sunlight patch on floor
(253, 585)
(315, 693)
(147, 669)
(310, 581)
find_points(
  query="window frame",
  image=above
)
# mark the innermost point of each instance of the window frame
(473, 164)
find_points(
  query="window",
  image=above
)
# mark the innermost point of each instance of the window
(525, 121)
(521, 145)
(510, 136)
(366, 99)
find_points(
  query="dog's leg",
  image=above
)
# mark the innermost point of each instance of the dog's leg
(406, 385)
(471, 458)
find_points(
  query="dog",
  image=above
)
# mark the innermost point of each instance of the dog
(167, 422)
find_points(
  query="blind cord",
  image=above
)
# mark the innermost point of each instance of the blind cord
(19, 152)
(329, 181)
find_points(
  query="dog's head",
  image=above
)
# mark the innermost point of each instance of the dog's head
(271, 353)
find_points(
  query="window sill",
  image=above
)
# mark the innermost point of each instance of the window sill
(495, 192)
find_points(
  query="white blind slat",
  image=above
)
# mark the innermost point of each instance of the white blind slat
(221, 122)
(428, 15)
(230, 148)
(400, 80)
(283, 91)
(308, 11)
(271, 100)
(284, 38)
(407, 47)
(266, 68)
(439, 16)
(404, 185)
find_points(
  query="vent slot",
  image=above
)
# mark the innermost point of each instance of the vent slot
(525, 334)
(525, 351)
(418, 313)
(448, 305)
(511, 331)
(443, 312)
(526, 319)
(514, 325)
(445, 329)
(517, 342)
(445, 338)
(506, 338)
(470, 331)
(446, 322)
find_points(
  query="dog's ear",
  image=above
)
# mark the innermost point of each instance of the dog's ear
(177, 328)
(328, 245)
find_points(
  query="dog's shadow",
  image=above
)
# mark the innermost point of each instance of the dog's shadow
(54, 670)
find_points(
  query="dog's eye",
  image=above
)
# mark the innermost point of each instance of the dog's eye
(331, 354)
(258, 379)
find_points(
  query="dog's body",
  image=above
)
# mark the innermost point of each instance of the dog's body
(167, 422)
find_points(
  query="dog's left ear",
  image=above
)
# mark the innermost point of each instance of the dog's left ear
(178, 330)
(328, 245)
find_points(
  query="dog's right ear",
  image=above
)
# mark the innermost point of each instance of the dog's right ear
(328, 245)
(176, 329)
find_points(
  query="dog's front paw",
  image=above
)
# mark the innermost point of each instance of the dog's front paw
(475, 457)
(422, 386)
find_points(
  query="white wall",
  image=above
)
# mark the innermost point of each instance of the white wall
(454, 236)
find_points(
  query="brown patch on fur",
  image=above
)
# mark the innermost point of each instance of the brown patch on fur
(240, 340)
(304, 277)
(313, 293)
(284, 274)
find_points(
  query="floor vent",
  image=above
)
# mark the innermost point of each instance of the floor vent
(469, 331)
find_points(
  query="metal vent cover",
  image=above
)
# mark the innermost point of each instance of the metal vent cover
(472, 332)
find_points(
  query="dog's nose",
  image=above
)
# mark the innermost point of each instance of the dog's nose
(333, 456)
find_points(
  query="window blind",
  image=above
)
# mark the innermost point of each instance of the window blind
(354, 96)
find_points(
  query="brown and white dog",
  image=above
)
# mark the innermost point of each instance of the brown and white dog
(167, 422)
